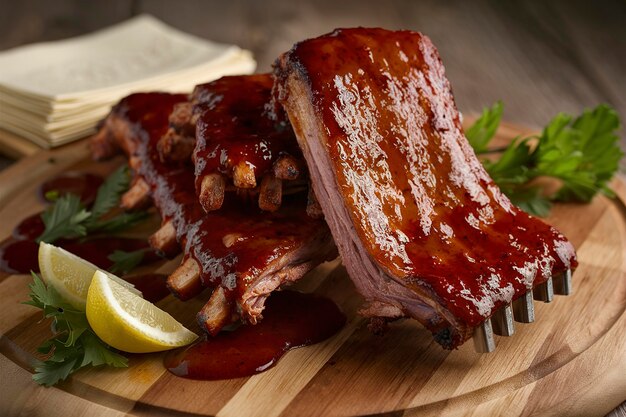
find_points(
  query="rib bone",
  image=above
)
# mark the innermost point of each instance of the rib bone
(544, 291)
(212, 192)
(216, 313)
(286, 168)
(243, 175)
(483, 338)
(137, 196)
(271, 193)
(164, 239)
(524, 308)
(563, 283)
(502, 322)
(185, 282)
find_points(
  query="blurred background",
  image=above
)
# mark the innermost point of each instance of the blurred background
(539, 57)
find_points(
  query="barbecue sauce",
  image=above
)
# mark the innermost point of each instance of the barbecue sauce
(237, 124)
(422, 205)
(153, 287)
(19, 253)
(290, 320)
(229, 244)
(84, 185)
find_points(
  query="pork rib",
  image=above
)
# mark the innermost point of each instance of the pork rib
(240, 252)
(238, 142)
(422, 229)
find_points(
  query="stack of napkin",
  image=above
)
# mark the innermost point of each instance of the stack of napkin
(56, 92)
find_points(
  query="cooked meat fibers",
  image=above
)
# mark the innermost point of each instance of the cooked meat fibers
(421, 227)
(240, 252)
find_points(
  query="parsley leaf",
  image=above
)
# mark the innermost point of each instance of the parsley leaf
(97, 353)
(483, 130)
(124, 262)
(120, 222)
(582, 153)
(74, 344)
(65, 218)
(110, 192)
(68, 218)
(49, 373)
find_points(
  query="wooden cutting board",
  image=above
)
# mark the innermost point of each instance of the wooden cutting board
(571, 361)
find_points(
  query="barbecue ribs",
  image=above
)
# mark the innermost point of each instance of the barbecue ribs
(235, 135)
(240, 252)
(422, 229)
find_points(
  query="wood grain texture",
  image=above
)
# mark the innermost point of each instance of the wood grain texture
(569, 362)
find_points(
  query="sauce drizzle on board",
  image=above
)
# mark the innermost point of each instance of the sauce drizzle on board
(18, 254)
(290, 320)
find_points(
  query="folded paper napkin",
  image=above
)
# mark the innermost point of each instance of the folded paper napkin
(55, 92)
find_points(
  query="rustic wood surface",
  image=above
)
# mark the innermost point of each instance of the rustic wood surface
(538, 57)
(571, 361)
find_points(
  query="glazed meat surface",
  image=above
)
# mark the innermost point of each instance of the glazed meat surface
(238, 141)
(240, 252)
(422, 229)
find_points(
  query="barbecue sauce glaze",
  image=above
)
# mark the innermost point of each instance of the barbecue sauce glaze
(256, 238)
(291, 319)
(420, 201)
(238, 124)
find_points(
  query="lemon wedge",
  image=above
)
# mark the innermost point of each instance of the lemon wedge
(129, 323)
(70, 275)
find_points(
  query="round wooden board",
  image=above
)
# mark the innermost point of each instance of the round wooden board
(571, 361)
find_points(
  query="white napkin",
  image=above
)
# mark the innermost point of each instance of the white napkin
(55, 92)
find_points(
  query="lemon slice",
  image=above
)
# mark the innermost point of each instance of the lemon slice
(128, 322)
(70, 275)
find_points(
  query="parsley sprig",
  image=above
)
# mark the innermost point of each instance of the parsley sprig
(124, 262)
(74, 344)
(68, 218)
(582, 153)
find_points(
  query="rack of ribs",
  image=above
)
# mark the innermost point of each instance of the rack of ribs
(240, 252)
(236, 136)
(422, 229)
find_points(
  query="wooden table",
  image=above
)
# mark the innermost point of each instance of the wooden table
(538, 57)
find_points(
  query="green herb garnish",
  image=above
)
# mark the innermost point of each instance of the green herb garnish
(582, 153)
(74, 345)
(124, 262)
(68, 218)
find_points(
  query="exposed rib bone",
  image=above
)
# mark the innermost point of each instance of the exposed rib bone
(212, 192)
(243, 175)
(134, 163)
(502, 322)
(544, 291)
(483, 338)
(185, 282)
(175, 147)
(164, 239)
(524, 308)
(563, 283)
(137, 196)
(286, 168)
(181, 114)
(271, 193)
(216, 313)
